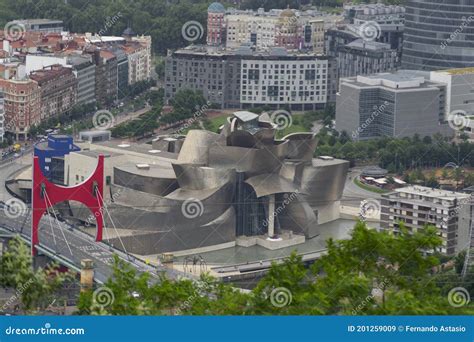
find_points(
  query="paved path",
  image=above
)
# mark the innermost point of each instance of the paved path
(353, 193)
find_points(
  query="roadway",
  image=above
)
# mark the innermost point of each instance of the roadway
(354, 194)
(53, 236)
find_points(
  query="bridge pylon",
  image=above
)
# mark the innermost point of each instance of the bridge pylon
(45, 194)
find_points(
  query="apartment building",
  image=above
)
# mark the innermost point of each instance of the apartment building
(58, 89)
(247, 77)
(84, 71)
(362, 57)
(291, 29)
(138, 51)
(106, 85)
(298, 81)
(22, 105)
(82, 68)
(418, 206)
(122, 70)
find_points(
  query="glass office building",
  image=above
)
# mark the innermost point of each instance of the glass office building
(439, 34)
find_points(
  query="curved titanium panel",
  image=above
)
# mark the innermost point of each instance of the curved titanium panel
(250, 161)
(324, 182)
(241, 138)
(299, 217)
(301, 145)
(194, 177)
(177, 238)
(195, 148)
(182, 209)
(156, 181)
(268, 184)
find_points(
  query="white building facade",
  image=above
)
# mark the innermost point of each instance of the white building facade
(418, 206)
(291, 81)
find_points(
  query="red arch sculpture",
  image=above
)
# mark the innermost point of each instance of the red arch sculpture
(84, 193)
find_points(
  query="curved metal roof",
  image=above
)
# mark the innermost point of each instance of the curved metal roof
(269, 184)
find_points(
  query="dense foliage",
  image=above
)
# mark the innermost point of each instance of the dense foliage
(371, 273)
(34, 289)
(146, 123)
(398, 154)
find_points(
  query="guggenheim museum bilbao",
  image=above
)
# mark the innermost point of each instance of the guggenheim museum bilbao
(206, 191)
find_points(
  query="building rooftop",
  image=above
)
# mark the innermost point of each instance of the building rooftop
(459, 71)
(400, 80)
(431, 192)
(126, 147)
(148, 170)
(79, 61)
(96, 153)
(245, 116)
(246, 49)
(216, 7)
(368, 45)
(325, 161)
(49, 73)
(38, 21)
(94, 133)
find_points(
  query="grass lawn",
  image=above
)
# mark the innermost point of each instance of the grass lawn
(368, 187)
(214, 124)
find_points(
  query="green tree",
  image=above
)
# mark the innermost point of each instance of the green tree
(35, 288)
(370, 273)
(186, 103)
